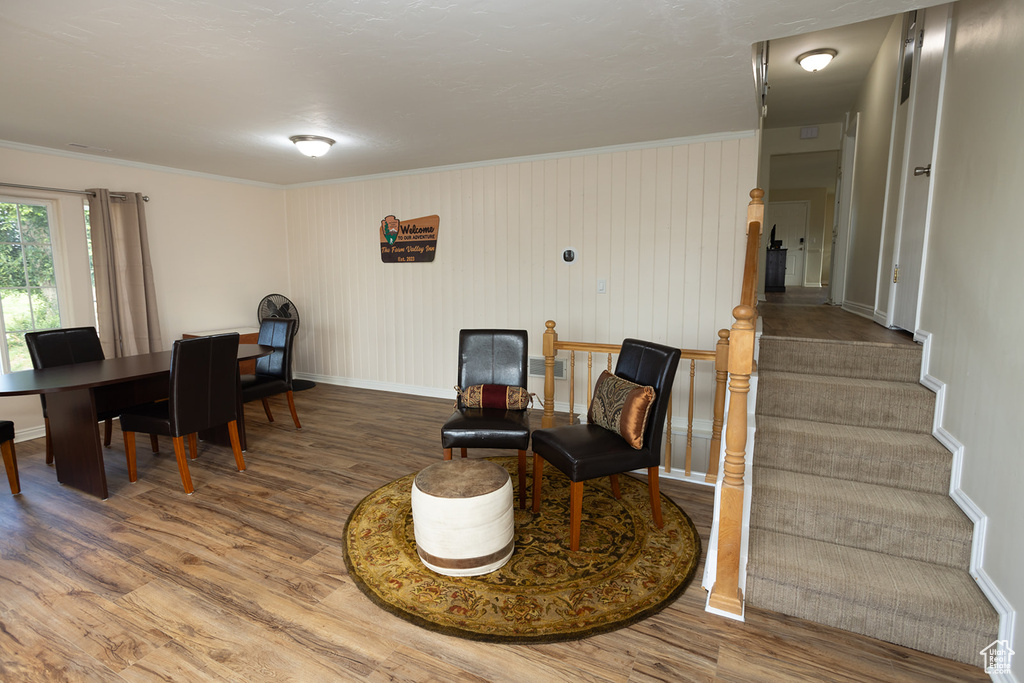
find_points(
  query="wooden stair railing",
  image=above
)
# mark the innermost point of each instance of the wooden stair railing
(552, 346)
(726, 594)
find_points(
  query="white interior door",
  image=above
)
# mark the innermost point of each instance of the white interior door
(844, 207)
(918, 167)
(790, 222)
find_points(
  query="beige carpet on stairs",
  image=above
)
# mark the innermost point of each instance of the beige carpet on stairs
(851, 521)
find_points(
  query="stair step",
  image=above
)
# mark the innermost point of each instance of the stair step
(876, 456)
(920, 526)
(902, 406)
(920, 605)
(865, 360)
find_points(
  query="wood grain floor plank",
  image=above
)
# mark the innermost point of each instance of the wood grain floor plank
(31, 651)
(411, 666)
(174, 663)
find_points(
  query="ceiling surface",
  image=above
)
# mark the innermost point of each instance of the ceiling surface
(217, 87)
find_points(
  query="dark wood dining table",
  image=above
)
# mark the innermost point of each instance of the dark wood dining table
(76, 393)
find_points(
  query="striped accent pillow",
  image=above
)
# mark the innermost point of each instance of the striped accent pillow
(497, 396)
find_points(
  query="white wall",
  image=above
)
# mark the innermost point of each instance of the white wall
(217, 245)
(664, 226)
(875, 104)
(973, 283)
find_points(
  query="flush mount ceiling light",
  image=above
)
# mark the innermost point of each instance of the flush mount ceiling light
(816, 60)
(312, 145)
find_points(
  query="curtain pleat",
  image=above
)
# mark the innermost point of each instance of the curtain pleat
(126, 309)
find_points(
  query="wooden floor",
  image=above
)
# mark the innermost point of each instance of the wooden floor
(244, 580)
(802, 312)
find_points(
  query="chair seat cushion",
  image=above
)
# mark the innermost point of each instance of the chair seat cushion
(588, 451)
(486, 428)
(6, 430)
(255, 387)
(148, 418)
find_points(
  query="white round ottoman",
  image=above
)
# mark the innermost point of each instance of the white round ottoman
(462, 517)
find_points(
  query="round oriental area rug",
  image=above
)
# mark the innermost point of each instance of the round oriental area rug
(626, 568)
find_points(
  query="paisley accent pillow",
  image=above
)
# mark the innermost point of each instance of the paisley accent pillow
(622, 407)
(495, 396)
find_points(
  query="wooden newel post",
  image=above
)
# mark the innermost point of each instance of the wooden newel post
(550, 338)
(718, 419)
(726, 594)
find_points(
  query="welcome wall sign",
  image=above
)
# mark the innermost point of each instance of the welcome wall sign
(409, 241)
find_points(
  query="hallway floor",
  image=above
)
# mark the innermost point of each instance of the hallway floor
(802, 312)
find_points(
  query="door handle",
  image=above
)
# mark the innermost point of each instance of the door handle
(923, 170)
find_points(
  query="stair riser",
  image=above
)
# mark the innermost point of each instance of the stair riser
(903, 407)
(940, 535)
(838, 359)
(961, 644)
(913, 467)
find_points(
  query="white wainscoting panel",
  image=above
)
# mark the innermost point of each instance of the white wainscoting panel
(664, 227)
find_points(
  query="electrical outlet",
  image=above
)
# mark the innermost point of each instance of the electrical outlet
(602, 286)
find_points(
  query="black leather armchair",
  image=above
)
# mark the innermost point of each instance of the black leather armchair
(52, 348)
(491, 357)
(10, 459)
(588, 451)
(274, 372)
(202, 394)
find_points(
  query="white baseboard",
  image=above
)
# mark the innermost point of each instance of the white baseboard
(859, 309)
(30, 433)
(1007, 614)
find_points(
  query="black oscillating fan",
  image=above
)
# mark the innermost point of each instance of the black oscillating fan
(278, 306)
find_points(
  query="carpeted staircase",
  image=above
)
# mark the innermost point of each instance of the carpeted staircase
(851, 522)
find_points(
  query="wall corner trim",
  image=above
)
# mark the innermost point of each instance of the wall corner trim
(1005, 610)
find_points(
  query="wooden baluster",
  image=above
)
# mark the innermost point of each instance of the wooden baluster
(721, 378)
(668, 437)
(726, 594)
(590, 379)
(689, 417)
(550, 339)
(572, 387)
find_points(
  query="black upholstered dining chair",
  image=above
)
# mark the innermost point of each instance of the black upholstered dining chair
(52, 348)
(588, 451)
(202, 394)
(496, 358)
(274, 372)
(10, 459)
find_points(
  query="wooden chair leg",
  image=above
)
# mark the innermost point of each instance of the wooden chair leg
(575, 513)
(538, 475)
(108, 431)
(49, 442)
(616, 491)
(236, 445)
(652, 487)
(447, 454)
(129, 454)
(464, 450)
(193, 446)
(154, 443)
(522, 479)
(11, 465)
(291, 406)
(179, 453)
(266, 409)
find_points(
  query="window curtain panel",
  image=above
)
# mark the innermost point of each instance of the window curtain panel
(126, 308)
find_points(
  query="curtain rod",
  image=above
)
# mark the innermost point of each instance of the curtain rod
(57, 189)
